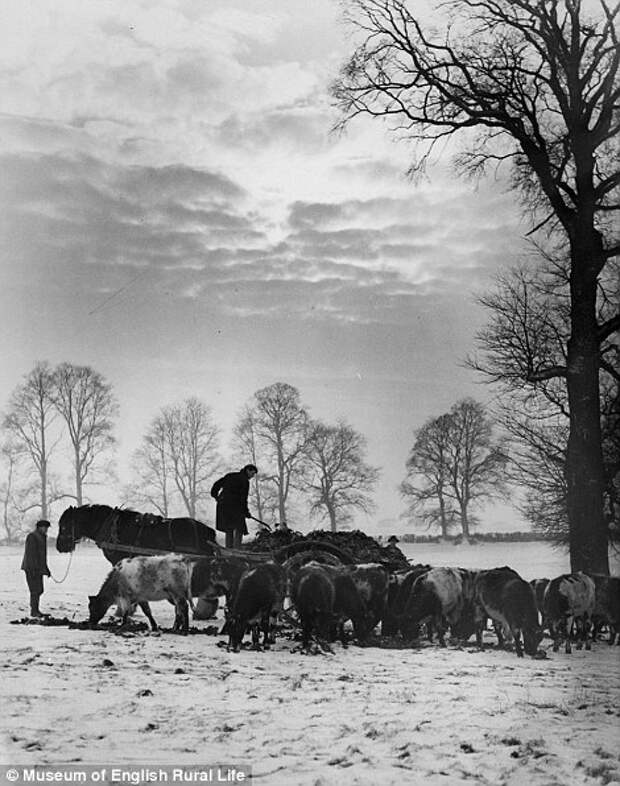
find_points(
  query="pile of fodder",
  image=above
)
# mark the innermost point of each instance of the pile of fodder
(362, 547)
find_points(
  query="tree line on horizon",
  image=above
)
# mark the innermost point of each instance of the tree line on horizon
(306, 466)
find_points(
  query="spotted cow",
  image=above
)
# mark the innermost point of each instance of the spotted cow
(139, 580)
(569, 599)
(436, 600)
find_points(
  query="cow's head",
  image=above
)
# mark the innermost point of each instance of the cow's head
(97, 607)
(531, 639)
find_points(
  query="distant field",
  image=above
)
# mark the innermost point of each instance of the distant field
(532, 560)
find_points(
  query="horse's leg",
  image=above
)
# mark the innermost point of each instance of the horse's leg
(147, 612)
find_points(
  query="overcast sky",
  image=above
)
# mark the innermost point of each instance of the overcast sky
(177, 214)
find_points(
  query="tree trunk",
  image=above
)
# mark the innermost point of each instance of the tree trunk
(584, 470)
(442, 517)
(43, 473)
(464, 521)
(332, 518)
(78, 481)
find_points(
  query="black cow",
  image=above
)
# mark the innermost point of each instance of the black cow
(607, 604)
(313, 594)
(507, 599)
(372, 582)
(399, 589)
(257, 602)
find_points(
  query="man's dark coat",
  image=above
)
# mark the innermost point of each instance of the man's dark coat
(231, 493)
(35, 554)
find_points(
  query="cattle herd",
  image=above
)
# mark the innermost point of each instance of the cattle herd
(420, 600)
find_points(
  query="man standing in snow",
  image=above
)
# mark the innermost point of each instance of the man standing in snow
(34, 564)
(231, 493)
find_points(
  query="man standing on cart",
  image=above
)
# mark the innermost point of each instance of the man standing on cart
(231, 493)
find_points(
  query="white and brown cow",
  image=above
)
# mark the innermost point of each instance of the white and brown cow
(139, 580)
(436, 599)
(569, 599)
(502, 595)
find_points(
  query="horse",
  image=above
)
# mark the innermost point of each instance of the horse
(142, 533)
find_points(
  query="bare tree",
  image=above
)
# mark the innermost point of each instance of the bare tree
(337, 479)
(280, 427)
(86, 403)
(29, 420)
(458, 462)
(528, 329)
(245, 444)
(538, 82)
(426, 486)
(153, 481)
(191, 440)
(10, 456)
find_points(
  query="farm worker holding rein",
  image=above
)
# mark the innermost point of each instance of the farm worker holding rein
(35, 564)
(231, 493)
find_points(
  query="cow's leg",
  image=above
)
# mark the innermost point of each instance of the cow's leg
(499, 632)
(567, 628)
(516, 634)
(267, 638)
(184, 615)
(256, 636)
(440, 627)
(146, 609)
(586, 631)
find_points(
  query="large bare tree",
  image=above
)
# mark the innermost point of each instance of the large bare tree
(29, 421)
(245, 445)
(88, 407)
(457, 462)
(191, 439)
(426, 487)
(153, 482)
(338, 480)
(280, 425)
(534, 84)
(527, 329)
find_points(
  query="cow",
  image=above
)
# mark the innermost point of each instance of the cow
(502, 595)
(539, 586)
(399, 588)
(313, 593)
(372, 581)
(214, 577)
(258, 601)
(465, 626)
(436, 598)
(139, 580)
(606, 604)
(569, 598)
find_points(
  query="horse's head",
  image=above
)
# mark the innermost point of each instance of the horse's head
(68, 530)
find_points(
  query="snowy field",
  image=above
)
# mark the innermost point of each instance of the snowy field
(360, 716)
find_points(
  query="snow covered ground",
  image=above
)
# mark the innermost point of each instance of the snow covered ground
(359, 716)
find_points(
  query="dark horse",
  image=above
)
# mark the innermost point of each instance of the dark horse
(142, 533)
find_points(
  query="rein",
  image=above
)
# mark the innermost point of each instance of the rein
(60, 581)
